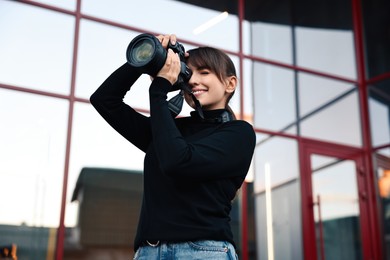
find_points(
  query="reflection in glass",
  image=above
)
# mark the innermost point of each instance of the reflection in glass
(382, 163)
(96, 144)
(32, 152)
(39, 55)
(269, 41)
(315, 92)
(326, 50)
(277, 200)
(274, 98)
(338, 121)
(102, 49)
(379, 106)
(66, 4)
(336, 210)
(376, 22)
(152, 15)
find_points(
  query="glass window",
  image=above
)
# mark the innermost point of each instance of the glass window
(94, 142)
(36, 47)
(102, 49)
(315, 92)
(204, 26)
(336, 208)
(247, 75)
(274, 98)
(32, 152)
(379, 106)
(337, 121)
(326, 50)
(382, 169)
(277, 200)
(66, 4)
(376, 29)
(269, 41)
(278, 155)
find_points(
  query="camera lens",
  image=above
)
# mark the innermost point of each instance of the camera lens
(142, 52)
(146, 54)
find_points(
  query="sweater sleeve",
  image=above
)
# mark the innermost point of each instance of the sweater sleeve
(226, 152)
(108, 101)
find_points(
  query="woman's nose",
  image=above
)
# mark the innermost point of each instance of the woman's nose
(193, 80)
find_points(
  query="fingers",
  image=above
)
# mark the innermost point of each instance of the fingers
(165, 39)
(171, 68)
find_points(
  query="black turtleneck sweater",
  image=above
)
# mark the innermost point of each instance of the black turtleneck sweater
(192, 168)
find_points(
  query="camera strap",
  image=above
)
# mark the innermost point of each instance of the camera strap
(175, 104)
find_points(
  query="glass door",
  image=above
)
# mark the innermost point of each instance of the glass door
(334, 208)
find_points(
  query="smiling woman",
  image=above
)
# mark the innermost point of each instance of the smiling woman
(193, 166)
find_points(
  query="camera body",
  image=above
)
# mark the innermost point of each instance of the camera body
(147, 55)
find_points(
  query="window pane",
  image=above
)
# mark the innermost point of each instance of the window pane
(274, 98)
(172, 17)
(338, 121)
(326, 50)
(32, 152)
(102, 50)
(269, 41)
(277, 200)
(376, 23)
(382, 170)
(379, 105)
(104, 171)
(66, 4)
(96, 144)
(36, 47)
(315, 92)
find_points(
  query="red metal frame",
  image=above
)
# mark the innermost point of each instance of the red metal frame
(366, 132)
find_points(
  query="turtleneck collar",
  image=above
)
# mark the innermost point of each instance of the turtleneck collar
(217, 115)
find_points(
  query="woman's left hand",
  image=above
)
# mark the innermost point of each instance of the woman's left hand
(172, 66)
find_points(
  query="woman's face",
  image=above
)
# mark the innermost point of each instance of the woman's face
(208, 89)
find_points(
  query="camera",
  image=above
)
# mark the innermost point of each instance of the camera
(147, 55)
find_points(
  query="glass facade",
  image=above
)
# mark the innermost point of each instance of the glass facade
(314, 83)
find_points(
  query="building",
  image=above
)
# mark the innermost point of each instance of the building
(314, 82)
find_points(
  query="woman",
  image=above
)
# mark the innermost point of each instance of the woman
(193, 165)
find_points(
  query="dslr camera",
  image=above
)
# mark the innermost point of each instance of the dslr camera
(147, 55)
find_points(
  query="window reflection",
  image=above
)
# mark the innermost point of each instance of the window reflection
(338, 121)
(315, 92)
(39, 55)
(152, 14)
(269, 41)
(336, 208)
(274, 96)
(277, 200)
(66, 4)
(102, 49)
(96, 144)
(382, 164)
(326, 50)
(379, 105)
(32, 152)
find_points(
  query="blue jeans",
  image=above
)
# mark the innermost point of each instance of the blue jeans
(203, 249)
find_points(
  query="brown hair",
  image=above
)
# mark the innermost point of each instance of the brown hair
(216, 61)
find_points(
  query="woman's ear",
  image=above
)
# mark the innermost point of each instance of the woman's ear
(231, 84)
